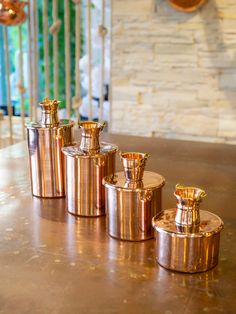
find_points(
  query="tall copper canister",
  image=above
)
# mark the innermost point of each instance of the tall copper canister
(133, 197)
(187, 238)
(45, 141)
(86, 165)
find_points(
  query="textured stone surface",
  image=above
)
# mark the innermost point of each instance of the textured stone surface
(174, 74)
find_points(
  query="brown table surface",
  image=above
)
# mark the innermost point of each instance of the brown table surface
(52, 262)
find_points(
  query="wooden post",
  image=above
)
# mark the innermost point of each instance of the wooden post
(67, 56)
(9, 105)
(21, 85)
(89, 48)
(46, 48)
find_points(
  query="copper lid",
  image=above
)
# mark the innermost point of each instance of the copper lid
(151, 181)
(210, 224)
(134, 177)
(76, 151)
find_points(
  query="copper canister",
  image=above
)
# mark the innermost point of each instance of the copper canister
(86, 165)
(45, 141)
(187, 238)
(133, 197)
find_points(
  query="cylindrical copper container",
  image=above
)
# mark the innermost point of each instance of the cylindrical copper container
(187, 238)
(45, 141)
(133, 197)
(86, 165)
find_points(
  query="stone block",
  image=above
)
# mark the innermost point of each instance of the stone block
(227, 125)
(173, 60)
(220, 59)
(175, 49)
(228, 80)
(198, 124)
(174, 74)
(206, 93)
(133, 7)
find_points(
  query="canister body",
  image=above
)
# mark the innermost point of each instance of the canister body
(129, 213)
(185, 251)
(85, 193)
(46, 158)
(130, 207)
(187, 254)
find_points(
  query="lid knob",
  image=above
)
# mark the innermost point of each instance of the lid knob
(188, 205)
(90, 136)
(49, 112)
(134, 164)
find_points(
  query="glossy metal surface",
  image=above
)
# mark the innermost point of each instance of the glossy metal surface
(45, 141)
(90, 133)
(49, 116)
(85, 167)
(12, 12)
(133, 197)
(133, 164)
(187, 239)
(187, 5)
(53, 262)
(188, 205)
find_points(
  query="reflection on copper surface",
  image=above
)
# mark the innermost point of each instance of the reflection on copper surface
(125, 252)
(95, 231)
(49, 112)
(187, 239)
(133, 164)
(51, 209)
(133, 197)
(12, 12)
(90, 136)
(46, 138)
(188, 204)
(134, 185)
(86, 165)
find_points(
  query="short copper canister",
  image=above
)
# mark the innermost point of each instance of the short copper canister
(133, 197)
(86, 164)
(187, 238)
(45, 141)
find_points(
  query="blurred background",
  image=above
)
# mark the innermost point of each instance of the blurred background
(146, 67)
(61, 49)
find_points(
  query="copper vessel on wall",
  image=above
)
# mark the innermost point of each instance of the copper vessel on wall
(133, 197)
(187, 238)
(187, 5)
(12, 12)
(45, 141)
(86, 165)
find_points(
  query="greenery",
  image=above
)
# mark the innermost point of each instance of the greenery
(14, 46)
(13, 35)
(61, 48)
